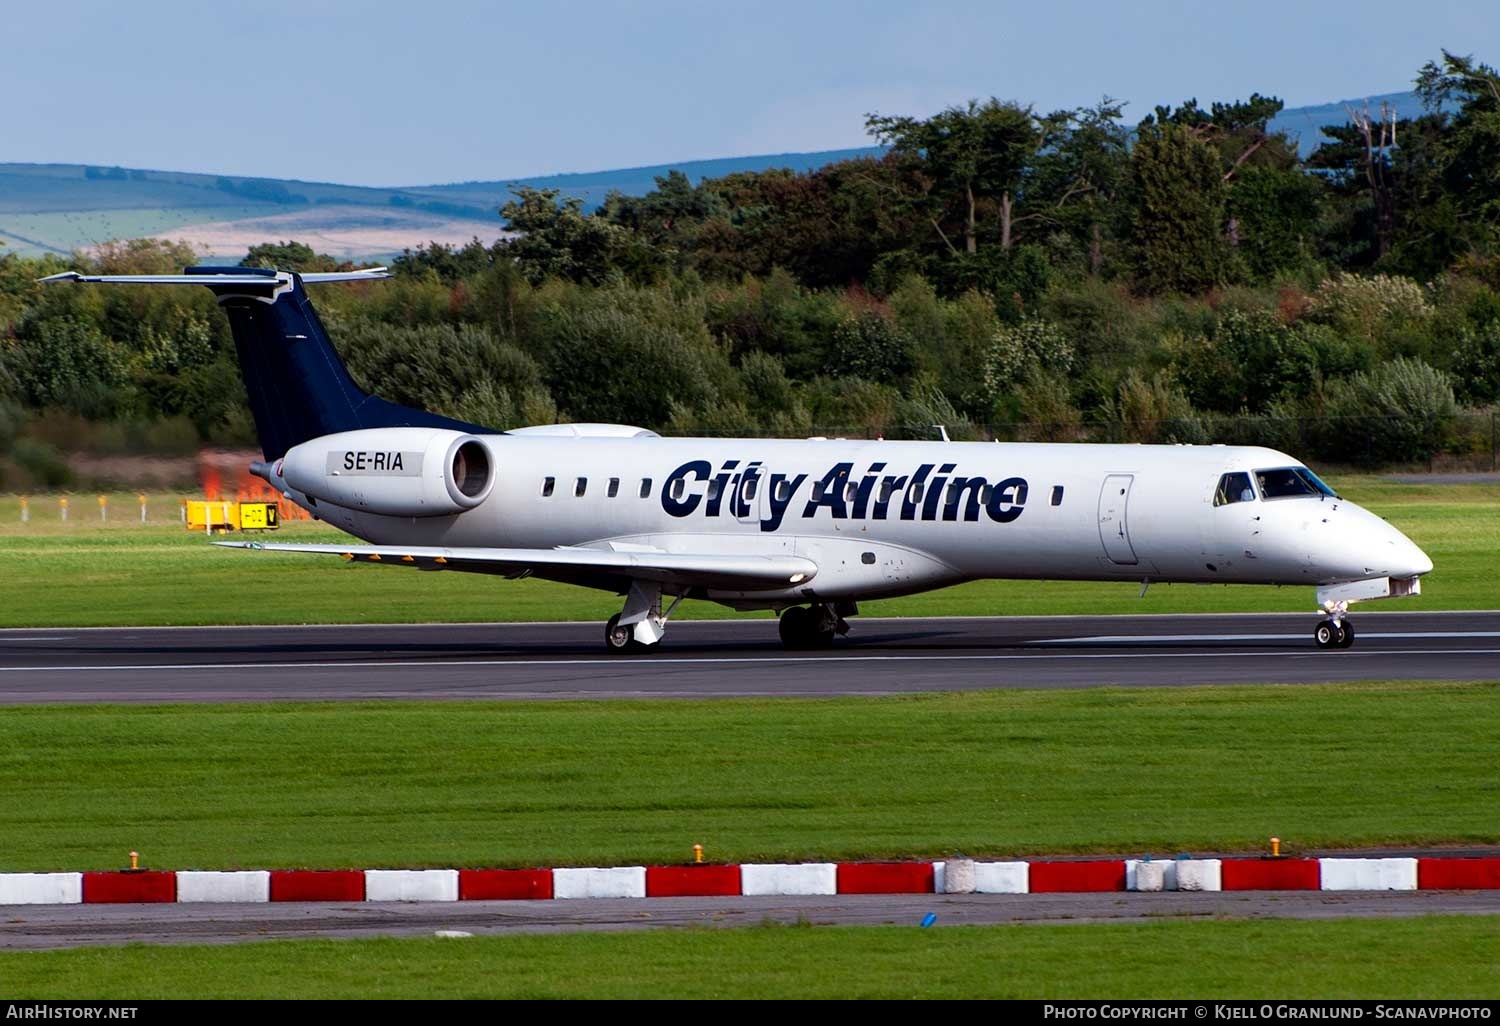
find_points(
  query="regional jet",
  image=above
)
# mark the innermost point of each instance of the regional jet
(808, 528)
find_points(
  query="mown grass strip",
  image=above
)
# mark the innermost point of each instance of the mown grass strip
(607, 783)
(1433, 957)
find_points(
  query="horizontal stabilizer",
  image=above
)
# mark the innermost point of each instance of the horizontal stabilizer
(297, 386)
(217, 278)
(706, 571)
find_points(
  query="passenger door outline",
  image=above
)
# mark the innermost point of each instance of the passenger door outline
(1114, 511)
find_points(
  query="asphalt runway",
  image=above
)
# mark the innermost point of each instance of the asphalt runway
(728, 658)
(64, 926)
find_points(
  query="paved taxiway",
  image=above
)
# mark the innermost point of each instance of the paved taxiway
(62, 926)
(728, 658)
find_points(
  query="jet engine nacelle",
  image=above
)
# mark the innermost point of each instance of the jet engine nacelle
(398, 472)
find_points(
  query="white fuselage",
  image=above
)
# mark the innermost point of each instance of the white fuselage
(882, 518)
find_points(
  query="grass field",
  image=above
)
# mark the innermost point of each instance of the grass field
(606, 783)
(1433, 957)
(86, 574)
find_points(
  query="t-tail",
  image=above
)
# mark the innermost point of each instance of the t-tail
(297, 386)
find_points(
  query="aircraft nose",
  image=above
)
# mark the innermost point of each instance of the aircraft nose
(1402, 556)
(1413, 561)
(1362, 545)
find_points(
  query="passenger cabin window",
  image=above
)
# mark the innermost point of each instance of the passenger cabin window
(645, 488)
(679, 486)
(748, 491)
(1234, 488)
(713, 489)
(548, 483)
(851, 491)
(1057, 492)
(915, 493)
(1291, 483)
(783, 490)
(817, 491)
(580, 486)
(887, 486)
(614, 487)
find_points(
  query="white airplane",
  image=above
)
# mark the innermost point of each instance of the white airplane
(807, 528)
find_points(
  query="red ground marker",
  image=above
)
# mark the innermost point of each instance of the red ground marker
(885, 878)
(132, 888)
(504, 884)
(1270, 875)
(692, 881)
(317, 885)
(1093, 875)
(1458, 874)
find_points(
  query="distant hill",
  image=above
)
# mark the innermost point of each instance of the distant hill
(1303, 123)
(59, 207)
(593, 186)
(56, 208)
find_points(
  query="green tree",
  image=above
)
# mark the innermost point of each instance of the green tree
(291, 256)
(1464, 200)
(462, 370)
(1075, 181)
(68, 363)
(1397, 411)
(975, 154)
(631, 355)
(1273, 215)
(871, 346)
(666, 212)
(1272, 207)
(1180, 205)
(451, 264)
(558, 240)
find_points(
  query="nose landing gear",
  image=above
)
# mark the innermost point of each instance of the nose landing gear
(1336, 631)
(1334, 634)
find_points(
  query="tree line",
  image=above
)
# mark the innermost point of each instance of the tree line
(1188, 277)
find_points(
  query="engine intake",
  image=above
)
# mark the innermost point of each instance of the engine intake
(399, 472)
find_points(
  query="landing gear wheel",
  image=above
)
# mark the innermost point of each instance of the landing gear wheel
(619, 640)
(802, 629)
(1326, 634)
(1346, 634)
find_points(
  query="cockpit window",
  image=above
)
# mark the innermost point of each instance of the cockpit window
(1291, 483)
(1234, 487)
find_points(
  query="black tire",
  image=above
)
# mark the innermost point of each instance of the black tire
(795, 627)
(1326, 634)
(1346, 634)
(619, 640)
(801, 630)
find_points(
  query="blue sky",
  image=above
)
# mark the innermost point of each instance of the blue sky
(391, 92)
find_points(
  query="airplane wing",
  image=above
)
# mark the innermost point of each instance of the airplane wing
(576, 565)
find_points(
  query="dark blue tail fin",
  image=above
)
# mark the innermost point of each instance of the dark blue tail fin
(297, 385)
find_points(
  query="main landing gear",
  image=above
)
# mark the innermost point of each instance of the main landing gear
(1336, 631)
(640, 626)
(805, 628)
